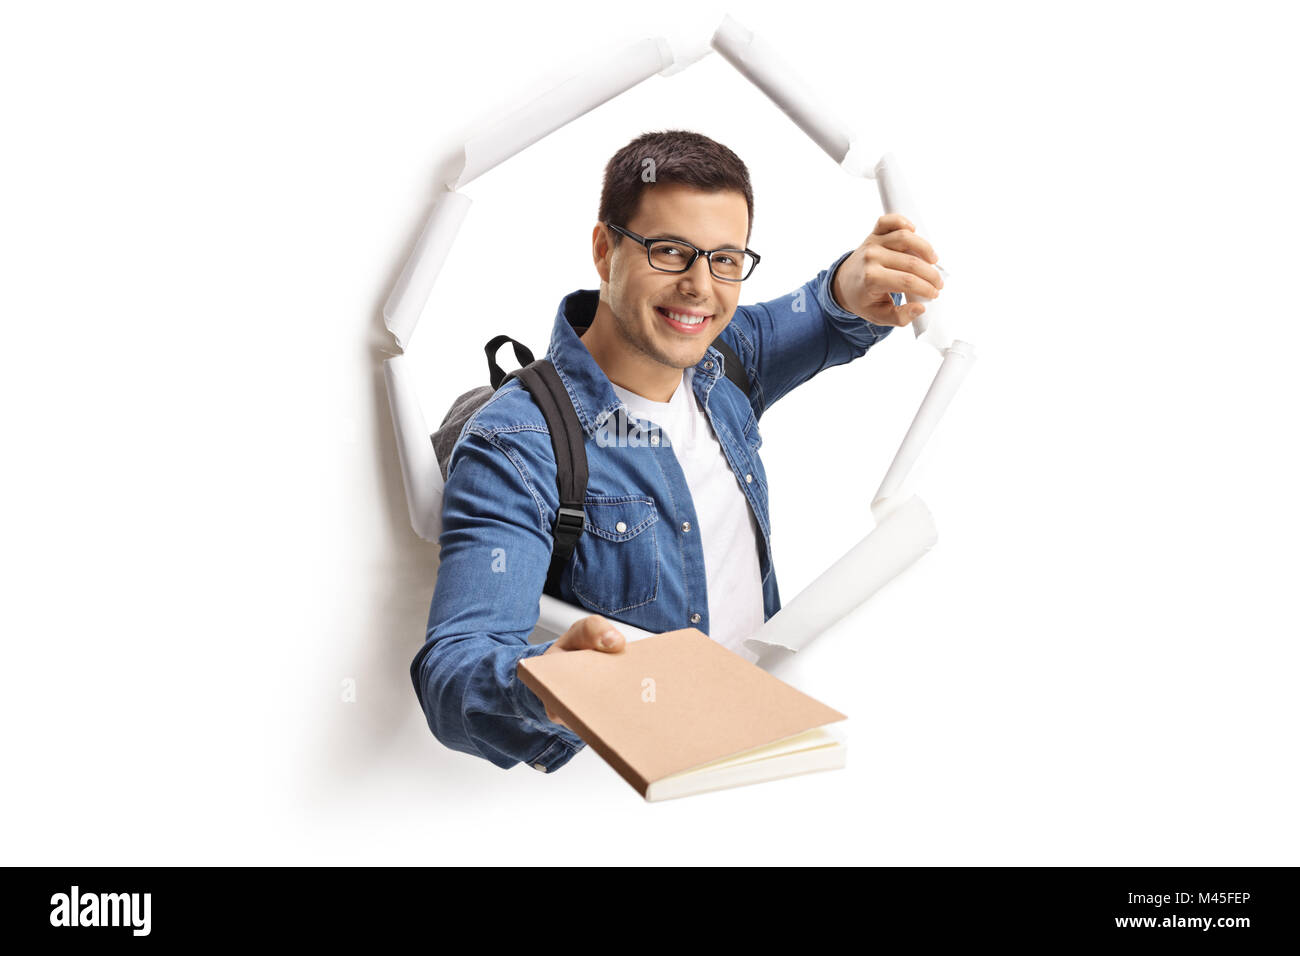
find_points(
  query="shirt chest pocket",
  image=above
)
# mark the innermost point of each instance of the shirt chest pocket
(615, 565)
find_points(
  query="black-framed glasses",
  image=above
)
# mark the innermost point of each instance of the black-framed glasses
(678, 255)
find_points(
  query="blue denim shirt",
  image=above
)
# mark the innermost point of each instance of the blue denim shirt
(636, 561)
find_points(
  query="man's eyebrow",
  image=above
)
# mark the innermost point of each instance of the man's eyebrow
(669, 235)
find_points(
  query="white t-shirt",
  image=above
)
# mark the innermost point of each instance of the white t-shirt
(726, 523)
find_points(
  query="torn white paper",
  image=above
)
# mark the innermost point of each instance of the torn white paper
(420, 472)
(690, 43)
(905, 530)
(766, 69)
(904, 535)
(563, 104)
(957, 359)
(407, 300)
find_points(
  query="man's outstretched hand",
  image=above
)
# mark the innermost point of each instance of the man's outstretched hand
(892, 259)
(588, 633)
(592, 633)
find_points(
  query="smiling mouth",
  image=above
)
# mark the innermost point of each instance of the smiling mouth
(685, 323)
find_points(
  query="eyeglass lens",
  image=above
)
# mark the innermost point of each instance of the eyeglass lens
(669, 256)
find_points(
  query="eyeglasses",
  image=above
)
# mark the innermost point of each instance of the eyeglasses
(678, 255)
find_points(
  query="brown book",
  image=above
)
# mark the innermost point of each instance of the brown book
(678, 713)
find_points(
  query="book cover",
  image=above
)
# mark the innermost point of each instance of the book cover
(670, 703)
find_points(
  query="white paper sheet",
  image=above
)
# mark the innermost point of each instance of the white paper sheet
(411, 292)
(420, 472)
(765, 68)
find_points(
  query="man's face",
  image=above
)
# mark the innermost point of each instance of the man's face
(639, 295)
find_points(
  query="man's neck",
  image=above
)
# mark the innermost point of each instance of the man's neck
(626, 367)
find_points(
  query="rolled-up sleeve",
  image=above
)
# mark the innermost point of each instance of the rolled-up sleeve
(495, 552)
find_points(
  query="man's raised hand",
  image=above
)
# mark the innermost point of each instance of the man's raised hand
(892, 259)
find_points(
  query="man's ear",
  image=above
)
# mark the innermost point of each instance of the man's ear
(601, 251)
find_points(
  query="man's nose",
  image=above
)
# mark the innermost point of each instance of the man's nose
(697, 274)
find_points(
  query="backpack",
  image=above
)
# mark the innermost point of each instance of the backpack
(567, 437)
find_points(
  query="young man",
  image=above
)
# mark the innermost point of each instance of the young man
(676, 533)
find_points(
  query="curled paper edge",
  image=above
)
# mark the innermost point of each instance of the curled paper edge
(419, 462)
(903, 536)
(682, 51)
(411, 292)
(947, 380)
(561, 105)
(763, 66)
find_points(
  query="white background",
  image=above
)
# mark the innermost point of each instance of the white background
(205, 533)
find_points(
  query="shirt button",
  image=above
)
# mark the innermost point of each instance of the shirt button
(541, 767)
(654, 439)
(621, 527)
(708, 365)
(686, 526)
(695, 618)
(749, 479)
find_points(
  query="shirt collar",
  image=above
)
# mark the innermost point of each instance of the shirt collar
(588, 386)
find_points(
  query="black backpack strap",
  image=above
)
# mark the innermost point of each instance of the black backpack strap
(568, 442)
(734, 368)
(497, 375)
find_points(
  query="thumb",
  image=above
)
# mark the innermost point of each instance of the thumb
(594, 632)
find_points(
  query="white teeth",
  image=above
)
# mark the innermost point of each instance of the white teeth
(685, 319)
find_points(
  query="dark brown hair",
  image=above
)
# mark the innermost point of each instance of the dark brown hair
(680, 156)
